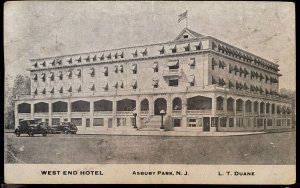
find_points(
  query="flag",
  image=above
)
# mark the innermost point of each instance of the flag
(182, 16)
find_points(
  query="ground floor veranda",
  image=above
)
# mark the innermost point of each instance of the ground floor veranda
(184, 111)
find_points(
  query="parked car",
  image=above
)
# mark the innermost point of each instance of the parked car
(64, 127)
(46, 125)
(30, 127)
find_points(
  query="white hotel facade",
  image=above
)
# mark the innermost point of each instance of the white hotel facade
(202, 83)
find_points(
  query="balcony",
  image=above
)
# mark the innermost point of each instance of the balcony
(172, 72)
(198, 112)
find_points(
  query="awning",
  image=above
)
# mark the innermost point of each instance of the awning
(133, 83)
(236, 69)
(51, 75)
(231, 67)
(155, 82)
(245, 86)
(43, 91)
(213, 80)
(222, 64)
(191, 79)
(121, 68)
(162, 51)
(173, 63)
(70, 89)
(116, 68)
(52, 90)
(69, 73)
(261, 76)
(121, 84)
(35, 91)
(116, 55)
(92, 87)
(43, 75)
(105, 70)
(105, 86)
(115, 85)
(267, 92)
(79, 88)
(145, 52)
(52, 62)
(246, 71)
(61, 89)
(155, 65)
(133, 67)
(92, 71)
(121, 55)
(192, 62)
(59, 74)
(230, 84)
(241, 70)
(34, 77)
(174, 48)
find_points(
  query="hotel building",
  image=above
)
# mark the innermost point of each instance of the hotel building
(202, 83)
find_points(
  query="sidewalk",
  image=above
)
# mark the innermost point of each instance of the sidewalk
(166, 133)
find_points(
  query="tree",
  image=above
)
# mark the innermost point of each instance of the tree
(21, 86)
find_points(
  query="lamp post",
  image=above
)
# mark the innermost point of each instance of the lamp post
(134, 113)
(162, 113)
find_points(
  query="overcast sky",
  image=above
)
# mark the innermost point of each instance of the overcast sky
(266, 29)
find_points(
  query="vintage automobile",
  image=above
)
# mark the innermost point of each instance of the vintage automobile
(30, 127)
(64, 127)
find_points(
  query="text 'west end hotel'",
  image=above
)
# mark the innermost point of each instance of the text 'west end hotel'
(202, 83)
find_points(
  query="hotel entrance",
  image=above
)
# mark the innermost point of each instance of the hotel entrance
(160, 104)
(206, 124)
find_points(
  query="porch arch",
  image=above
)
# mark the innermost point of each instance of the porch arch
(24, 108)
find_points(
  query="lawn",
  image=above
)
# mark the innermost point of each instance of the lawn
(271, 148)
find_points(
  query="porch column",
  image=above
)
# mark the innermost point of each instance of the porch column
(69, 111)
(234, 111)
(16, 115)
(169, 105)
(138, 111)
(225, 105)
(92, 113)
(114, 113)
(244, 108)
(252, 109)
(184, 108)
(31, 110)
(50, 113)
(151, 106)
(213, 105)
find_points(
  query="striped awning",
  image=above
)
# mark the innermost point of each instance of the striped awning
(105, 70)
(92, 71)
(133, 83)
(191, 79)
(34, 77)
(121, 68)
(133, 67)
(192, 62)
(173, 63)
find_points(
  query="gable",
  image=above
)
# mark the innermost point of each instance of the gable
(187, 34)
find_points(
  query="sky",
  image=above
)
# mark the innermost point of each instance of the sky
(49, 28)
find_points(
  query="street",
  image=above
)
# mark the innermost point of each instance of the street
(270, 148)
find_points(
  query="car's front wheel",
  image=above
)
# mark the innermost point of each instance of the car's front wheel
(31, 133)
(66, 132)
(44, 134)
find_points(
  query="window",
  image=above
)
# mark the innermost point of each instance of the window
(121, 122)
(223, 121)
(192, 122)
(174, 50)
(185, 36)
(134, 71)
(173, 82)
(88, 122)
(176, 122)
(192, 63)
(155, 66)
(98, 122)
(77, 121)
(231, 122)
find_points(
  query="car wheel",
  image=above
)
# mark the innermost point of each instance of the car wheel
(18, 134)
(66, 132)
(44, 134)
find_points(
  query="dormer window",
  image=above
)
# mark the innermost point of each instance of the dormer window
(145, 52)
(95, 58)
(187, 48)
(162, 51)
(174, 50)
(185, 36)
(70, 61)
(79, 60)
(102, 57)
(35, 65)
(108, 56)
(43, 64)
(135, 54)
(87, 59)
